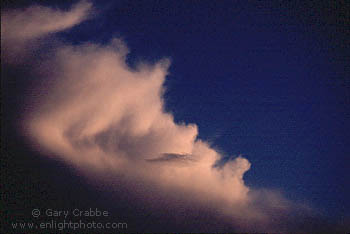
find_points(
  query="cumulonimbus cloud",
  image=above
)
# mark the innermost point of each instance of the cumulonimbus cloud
(102, 114)
(104, 117)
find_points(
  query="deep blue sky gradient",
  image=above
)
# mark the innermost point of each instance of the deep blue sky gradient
(266, 81)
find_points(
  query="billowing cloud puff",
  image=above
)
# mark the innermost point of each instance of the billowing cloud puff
(37, 21)
(103, 115)
(105, 118)
(20, 28)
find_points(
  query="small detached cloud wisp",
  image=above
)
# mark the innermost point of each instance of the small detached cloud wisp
(106, 118)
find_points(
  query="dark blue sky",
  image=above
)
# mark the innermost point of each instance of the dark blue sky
(269, 81)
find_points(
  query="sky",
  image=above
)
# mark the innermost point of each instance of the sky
(233, 115)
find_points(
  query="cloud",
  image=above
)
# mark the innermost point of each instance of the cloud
(93, 111)
(20, 28)
(101, 114)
